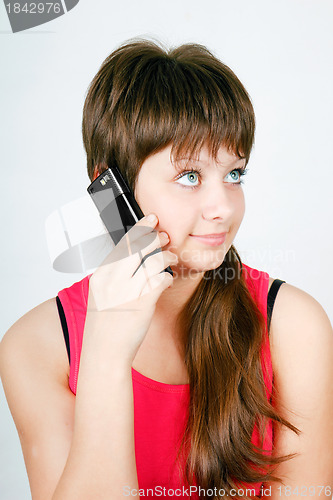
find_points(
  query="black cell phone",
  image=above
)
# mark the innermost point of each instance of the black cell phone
(116, 204)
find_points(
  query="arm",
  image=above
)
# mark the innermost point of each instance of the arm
(34, 369)
(34, 372)
(302, 357)
(101, 460)
(98, 456)
(83, 448)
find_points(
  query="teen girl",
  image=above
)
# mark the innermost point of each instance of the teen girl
(168, 383)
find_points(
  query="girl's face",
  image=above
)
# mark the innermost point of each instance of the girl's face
(194, 198)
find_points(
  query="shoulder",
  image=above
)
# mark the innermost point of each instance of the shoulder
(33, 368)
(301, 346)
(297, 312)
(270, 281)
(35, 340)
(302, 359)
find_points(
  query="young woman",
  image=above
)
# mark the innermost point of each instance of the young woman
(168, 383)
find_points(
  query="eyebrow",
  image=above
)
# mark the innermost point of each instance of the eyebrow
(188, 160)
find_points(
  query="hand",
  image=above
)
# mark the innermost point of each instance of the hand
(124, 290)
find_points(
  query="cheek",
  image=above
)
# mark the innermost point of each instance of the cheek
(161, 207)
(243, 208)
(150, 200)
(147, 198)
(240, 207)
(171, 218)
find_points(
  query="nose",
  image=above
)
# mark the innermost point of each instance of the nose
(218, 203)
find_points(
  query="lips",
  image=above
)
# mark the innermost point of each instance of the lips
(214, 235)
(214, 239)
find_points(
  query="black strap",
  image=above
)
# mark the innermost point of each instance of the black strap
(271, 299)
(274, 288)
(64, 326)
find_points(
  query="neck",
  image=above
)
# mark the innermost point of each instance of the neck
(164, 327)
(173, 299)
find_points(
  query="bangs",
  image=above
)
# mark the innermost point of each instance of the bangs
(189, 106)
(145, 98)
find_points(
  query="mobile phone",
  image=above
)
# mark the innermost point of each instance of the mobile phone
(116, 204)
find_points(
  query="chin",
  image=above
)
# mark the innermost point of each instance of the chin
(195, 268)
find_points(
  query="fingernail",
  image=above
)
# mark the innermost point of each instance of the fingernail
(165, 235)
(151, 218)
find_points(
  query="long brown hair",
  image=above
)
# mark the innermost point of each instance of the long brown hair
(144, 98)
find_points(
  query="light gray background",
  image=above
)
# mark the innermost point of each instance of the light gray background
(281, 50)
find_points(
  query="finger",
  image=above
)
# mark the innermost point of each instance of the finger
(159, 242)
(152, 266)
(155, 286)
(133, 255)
(135, 240)
(144, 227)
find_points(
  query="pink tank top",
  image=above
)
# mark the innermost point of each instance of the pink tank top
(160, 409)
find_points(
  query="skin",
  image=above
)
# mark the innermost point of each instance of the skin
(78, 447)
(216, 205)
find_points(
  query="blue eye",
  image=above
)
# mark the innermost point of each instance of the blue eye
(240, 172)
(191, 176)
